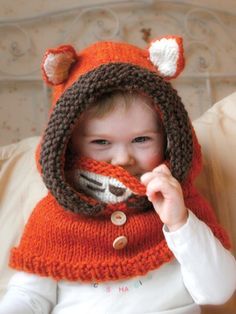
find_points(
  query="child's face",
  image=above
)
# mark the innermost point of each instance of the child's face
(128, 137)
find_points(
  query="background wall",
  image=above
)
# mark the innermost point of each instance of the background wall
(27, 28)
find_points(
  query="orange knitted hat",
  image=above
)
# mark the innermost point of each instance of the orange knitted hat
(79, 79)
(104, 228)
(62, 66)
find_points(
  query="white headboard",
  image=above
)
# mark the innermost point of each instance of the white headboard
(209, 42)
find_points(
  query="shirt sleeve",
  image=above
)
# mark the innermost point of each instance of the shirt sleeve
(29, 294)
(208, 269)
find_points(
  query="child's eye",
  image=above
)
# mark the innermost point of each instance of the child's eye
(100, 142)
(141, 139)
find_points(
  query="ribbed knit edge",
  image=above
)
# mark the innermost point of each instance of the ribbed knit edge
(137, 266)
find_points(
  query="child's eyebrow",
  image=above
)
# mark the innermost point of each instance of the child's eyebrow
(97, 135)
(149, 131)
(138, 133)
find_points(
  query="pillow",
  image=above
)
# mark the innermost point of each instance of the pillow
(18, 177)
(216, 131)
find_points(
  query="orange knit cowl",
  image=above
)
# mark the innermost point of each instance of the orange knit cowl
(122, 241)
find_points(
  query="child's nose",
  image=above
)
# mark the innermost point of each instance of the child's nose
(122, 157)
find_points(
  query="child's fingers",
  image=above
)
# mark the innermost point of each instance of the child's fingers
(160, 170)
(161, 184)
(147, 177)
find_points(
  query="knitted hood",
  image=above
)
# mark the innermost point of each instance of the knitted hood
(102, 68)
(107, 230)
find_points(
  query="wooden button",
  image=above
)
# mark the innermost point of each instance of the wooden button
(120, 242)
(118, 218)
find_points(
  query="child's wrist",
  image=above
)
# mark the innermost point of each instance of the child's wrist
(179, 224)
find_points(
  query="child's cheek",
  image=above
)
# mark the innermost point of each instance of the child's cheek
(152, 161)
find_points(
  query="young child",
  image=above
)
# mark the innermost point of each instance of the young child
(122, 229)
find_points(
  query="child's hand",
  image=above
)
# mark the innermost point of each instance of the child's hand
(166, 195)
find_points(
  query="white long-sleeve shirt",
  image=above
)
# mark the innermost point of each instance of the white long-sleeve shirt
(203, 272)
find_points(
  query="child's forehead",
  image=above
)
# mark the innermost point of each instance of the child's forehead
(136, 117)
(120, 101)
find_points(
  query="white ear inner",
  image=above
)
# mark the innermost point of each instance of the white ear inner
(56, 67)
(164, 55)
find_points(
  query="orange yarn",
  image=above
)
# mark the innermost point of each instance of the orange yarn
(104, 52)
(116, 172)
(65, 245)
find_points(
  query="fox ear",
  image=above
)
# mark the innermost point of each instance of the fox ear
(167, 55)
(57, 63)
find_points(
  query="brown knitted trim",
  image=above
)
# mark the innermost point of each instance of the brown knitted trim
(83, 93)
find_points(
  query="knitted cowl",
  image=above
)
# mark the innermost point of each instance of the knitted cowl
(70, 234)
